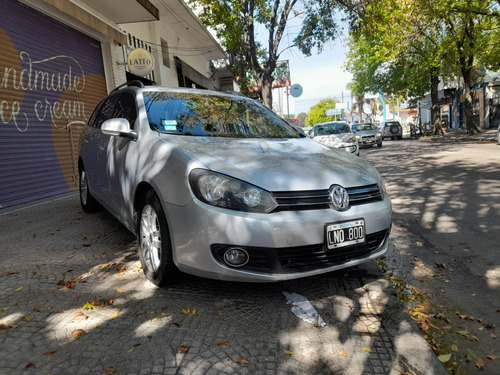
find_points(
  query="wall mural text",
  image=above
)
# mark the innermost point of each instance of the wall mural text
(39, 76)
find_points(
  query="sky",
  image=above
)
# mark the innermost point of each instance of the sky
(321, 76)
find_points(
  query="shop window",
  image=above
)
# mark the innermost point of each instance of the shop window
(164, 53)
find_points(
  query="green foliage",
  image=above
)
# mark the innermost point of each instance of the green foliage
(317, 112)
(236, 23)
(399, 46)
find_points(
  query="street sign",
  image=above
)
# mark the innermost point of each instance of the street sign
(333, 111)
(296, 90)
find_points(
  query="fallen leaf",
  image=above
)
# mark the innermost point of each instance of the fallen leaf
(135, 346)
(479, 363)
(454, 348)
(4, 326)
(241, 361)
(114, 316)
(471, 355)
(444, 357)
(31, 364)
(287, 352)
(110, 371)
(367, 350)
(184, 349)
(27, 318)
(121, 290)
(491, 356)
(440, 265)
(78, 333)
(50, 352)
(185, 311)
(89, 306)
(20, 288)
(36, 309)
(342, 353)
(466, 317)
(222, 343)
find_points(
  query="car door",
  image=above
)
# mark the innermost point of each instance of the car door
(94, 145)
(120, 168)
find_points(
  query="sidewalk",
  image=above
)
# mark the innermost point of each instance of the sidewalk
(73, 300)
(460, 135)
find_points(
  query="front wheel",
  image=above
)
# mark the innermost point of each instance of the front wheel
(87, 201)
(153, 239)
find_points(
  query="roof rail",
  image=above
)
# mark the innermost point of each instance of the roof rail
(135, 83)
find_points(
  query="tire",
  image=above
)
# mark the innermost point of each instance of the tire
(394, 130)
(153, 241)
(87, 201)
(379, 144)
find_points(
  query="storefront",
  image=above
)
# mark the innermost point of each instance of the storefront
(51, 78)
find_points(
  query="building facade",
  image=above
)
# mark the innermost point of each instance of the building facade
(60, 58)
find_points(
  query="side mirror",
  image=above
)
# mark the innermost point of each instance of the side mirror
(119, 127)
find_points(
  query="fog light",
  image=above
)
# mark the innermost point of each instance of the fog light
(236, 257)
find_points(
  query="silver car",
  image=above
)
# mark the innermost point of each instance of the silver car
(368, 134)
(336, 134)
(215, 184)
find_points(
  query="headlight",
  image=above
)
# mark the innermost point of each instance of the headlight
(382, 187)
(378, 135)
(223, 191)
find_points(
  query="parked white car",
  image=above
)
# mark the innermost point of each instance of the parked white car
(336, 134)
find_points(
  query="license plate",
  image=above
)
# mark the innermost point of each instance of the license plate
(345, 234)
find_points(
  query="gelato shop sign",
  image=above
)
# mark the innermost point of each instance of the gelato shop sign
(140, 62)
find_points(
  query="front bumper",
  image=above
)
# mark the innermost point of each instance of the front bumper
(282, 245)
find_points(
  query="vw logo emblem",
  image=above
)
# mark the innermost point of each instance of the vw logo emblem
(339, 197)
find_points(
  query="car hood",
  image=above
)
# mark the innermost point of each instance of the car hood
(278, 164)
(336, 140)
(367, 132)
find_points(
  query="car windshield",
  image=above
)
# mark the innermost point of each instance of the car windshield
(331, 128)
(358, 127)
(211, 115)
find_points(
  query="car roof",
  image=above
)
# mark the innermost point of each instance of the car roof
(139, 86)
(331, 122)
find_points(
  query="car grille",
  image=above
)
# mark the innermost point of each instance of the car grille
(320, 199)
(303, 258)
(314, 257)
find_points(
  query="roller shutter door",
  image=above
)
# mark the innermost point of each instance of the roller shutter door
(51, 78)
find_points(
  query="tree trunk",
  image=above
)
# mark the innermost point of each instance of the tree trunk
(267, 94)
(472, 128)
(435, 110)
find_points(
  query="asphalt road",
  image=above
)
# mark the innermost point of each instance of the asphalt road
(446, 230)
(73, 300)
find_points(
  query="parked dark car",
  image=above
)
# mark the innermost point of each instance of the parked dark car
(217, 185)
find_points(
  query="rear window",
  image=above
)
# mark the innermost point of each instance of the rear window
(367, 126)
(213, 116)
(330, 128)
